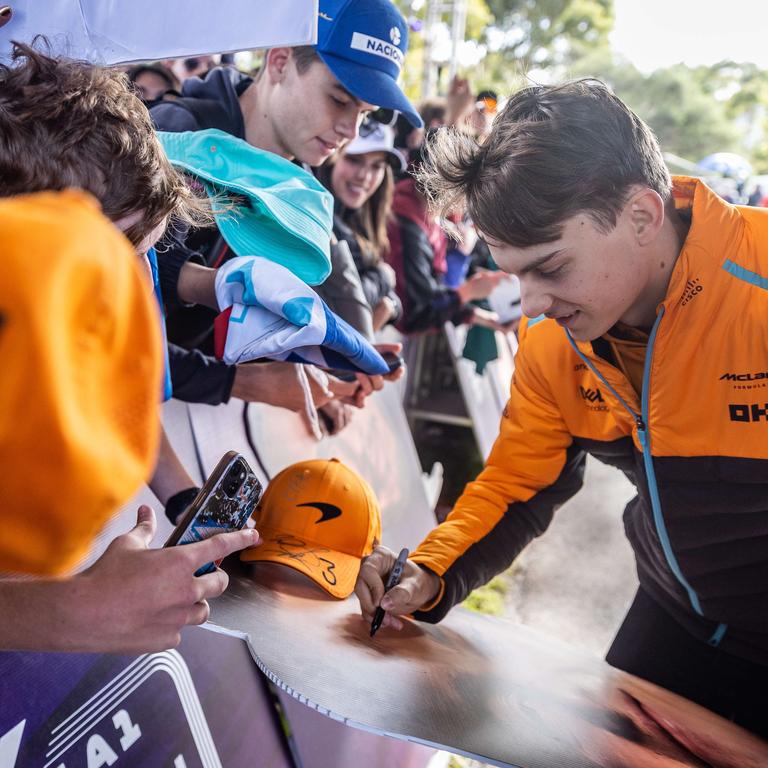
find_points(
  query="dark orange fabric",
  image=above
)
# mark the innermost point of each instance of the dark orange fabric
(80, 388)
(629, 346)
(321, 518)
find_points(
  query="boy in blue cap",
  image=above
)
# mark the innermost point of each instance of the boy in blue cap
(304, 104)
(295, 106)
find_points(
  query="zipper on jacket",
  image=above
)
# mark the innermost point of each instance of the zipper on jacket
(641, 422)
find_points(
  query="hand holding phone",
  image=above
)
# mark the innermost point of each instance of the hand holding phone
(225, 502)
(393, 361)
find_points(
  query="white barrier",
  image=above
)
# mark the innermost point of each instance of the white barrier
(177, 425)
(377, 444)
(486, 394)
(477, 401)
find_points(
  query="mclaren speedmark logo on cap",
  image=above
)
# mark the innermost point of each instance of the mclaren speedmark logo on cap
(327, 511)
(378, 47)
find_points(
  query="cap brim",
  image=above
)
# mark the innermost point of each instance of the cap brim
(276, 231)
(334, 571)
(371, 85)
(397, 160)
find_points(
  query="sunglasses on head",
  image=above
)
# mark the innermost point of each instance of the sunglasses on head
(369, 128)
(384, 116)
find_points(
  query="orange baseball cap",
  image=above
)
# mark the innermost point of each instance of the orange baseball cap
(320, 518)
(80, 388)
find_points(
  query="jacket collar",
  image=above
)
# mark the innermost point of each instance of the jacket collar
(716, 229)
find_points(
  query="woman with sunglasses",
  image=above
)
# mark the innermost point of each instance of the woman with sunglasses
(360, 177)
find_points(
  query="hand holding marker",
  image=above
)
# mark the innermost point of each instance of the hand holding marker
(393, 580)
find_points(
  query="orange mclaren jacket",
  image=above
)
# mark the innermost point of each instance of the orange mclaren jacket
(695, 443)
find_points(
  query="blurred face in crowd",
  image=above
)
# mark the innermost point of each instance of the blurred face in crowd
(312, 115)
(481, 118)
(150, 86)
(195, 66)
(355, 178)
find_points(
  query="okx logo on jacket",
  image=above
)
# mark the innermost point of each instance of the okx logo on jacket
(268, 312)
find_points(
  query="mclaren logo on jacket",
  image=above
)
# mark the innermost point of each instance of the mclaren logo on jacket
(752, 380)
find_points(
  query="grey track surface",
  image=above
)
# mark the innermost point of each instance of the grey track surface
(576, 581)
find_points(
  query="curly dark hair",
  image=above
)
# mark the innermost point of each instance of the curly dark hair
(67, 123)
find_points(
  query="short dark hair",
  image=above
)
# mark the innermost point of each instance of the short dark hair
(433, 110)
(553, 152)
(305, 56)
(487, 94)
(67, 123)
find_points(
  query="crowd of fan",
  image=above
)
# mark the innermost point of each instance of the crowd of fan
(71, 125)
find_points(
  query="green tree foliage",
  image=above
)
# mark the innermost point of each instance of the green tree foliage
(542, 33)
(689, 114)
(479, 19)
(694, 111)
(521, 35)
(743, 86)
(744, 89)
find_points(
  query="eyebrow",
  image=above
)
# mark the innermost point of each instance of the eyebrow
(538, 262)
(340, 87)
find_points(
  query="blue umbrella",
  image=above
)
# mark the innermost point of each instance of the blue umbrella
(727, 164)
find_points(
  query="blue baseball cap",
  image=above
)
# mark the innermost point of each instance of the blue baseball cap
(363, 42)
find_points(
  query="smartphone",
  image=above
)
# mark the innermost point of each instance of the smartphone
(392, 360)
(225, 502)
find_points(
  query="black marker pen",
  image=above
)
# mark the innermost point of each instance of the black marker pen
(394, 579)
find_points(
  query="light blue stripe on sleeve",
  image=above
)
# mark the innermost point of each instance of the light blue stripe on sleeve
(745, 274)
